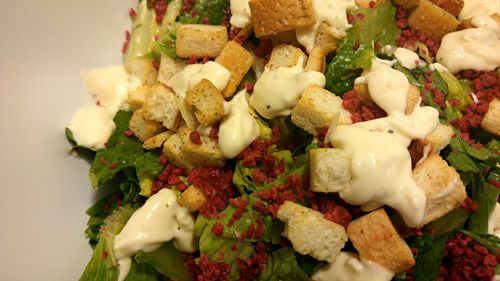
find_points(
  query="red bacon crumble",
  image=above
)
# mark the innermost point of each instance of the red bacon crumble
(195, 137)
(264, 48)
(132, 13)
(218, 229)
(128, 133)
(192, 60)
(251, 268)
(112, 165)
(360, 111)
(409, 37)
(212, 271)
(469, 205)
(214, 133)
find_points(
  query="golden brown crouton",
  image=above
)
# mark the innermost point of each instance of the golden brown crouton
(285, 56)
(137, 96)
(144, 70)
(442, 186)
(168, 68)
(244, 33)
(326, 38)
(157, 141)
(317, 109)
(329, 170)
(432, 21)
(238, 61)
(407, 4)
(200, 41)
(310, 233)
(377, 240)
(173, 149)
(144, 129)
(206, 101)
(288, 37)
(491, 120)
(186, 113)
(412, 99)
(193, 198)
(206, 154)
(272, 16)
(451, 6)
(316, 60)
(160, 105)
(366, 3)
(439, 138)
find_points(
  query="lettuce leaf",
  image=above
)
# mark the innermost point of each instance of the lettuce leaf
(282, 265)
(167, 260)
(355, 53)
(213, 10)
(458, 90)
(485, 195)
(430, 253)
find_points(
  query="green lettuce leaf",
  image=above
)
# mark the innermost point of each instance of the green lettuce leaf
(214, 10)
(167, 260)
(141, 272)
(485, 195)
(430, 253)
(165, 45)
(491, 242)
(458, 90)
(282, 265)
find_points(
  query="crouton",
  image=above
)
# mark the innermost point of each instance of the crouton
(316, 60)
(439, 138)
(412, 99)
(206, 101)
(365, 4)
(193, 198)
(288, 37)
(144, 129)
(418, 150)
(173, 149)
(206, 154)
(200, 41)
(243, 34)
(407, 4)
(451, 6)
(496, 17)
(329, 170)
(144, 70)
(272, 16)
(238, 61)
(442, 186)
(160, 105)
(432, 21)
(186, 113)
(376, 239)
(137, 96)
(168, 68)
(317, 109)
(310, 233)
(157, 141)
(327, 38)
(286, 56)
(491, 120)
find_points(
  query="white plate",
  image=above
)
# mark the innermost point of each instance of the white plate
(43, 47)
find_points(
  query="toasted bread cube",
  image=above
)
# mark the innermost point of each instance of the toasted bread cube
(439, 138)
(327, 38)
(206, 101)
(317, 109)
(193, 198)
(407, 4)
(168, 68)
(316, 60)
(144, 129)
(442, 186)
(286, 56)
(157, 141)
(200, 41)
(238, 61)
(412, 99)
(451, 6)
(186, 113)
(206, 154)
(272, 16)
(288, 37)
(137, 96)
(144, 70)
(160, 105)
(244, 33)
(491, 120)
(418, 150)
(432, 21)
(173, 149)
(310, 233)
(376, 239)
(329, 170)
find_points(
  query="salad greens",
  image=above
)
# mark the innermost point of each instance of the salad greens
(125, 172)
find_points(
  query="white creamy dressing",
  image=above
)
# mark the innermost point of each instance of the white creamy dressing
(159, 220)
(349, 267)
(240, 13)
(473, 48)
(474, 8)
(277, 91)
(192, 74)
(93, 125)
(494, 221)
(485, 21)
(380, 161)
(407, 58)
(238, 129)
(439, 67)
(333, 12)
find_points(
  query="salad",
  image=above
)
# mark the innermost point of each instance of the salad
(325, 140)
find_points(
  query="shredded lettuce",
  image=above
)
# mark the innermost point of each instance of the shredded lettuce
(282, 265)
(458, 90)
(213, 10)
(167, 260)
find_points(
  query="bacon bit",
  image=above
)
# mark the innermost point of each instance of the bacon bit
(212, 271)
(173, 180)
(264, 48)
(112, 165)
(181, 186)
(156, 64)
(238, 203)
(372, 4)
(234, 248)
(259, 231)
(495, 183)
(377, 46)
(249, 232)
(214, 133)
(438, 97)
(132, 13)
(248, 86)
(192, 60)
(104, 255)
(258, 176)
(195, 137)
(469, 205)
(103, 160)
(98, 103)
(163, 160)
(128, 133)
(260, 207)
(350, 18)
(356, 46)
(205, 60)
(417, 62)
(218, 229)
(206, 20)
(124, 47)
(157, 186)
